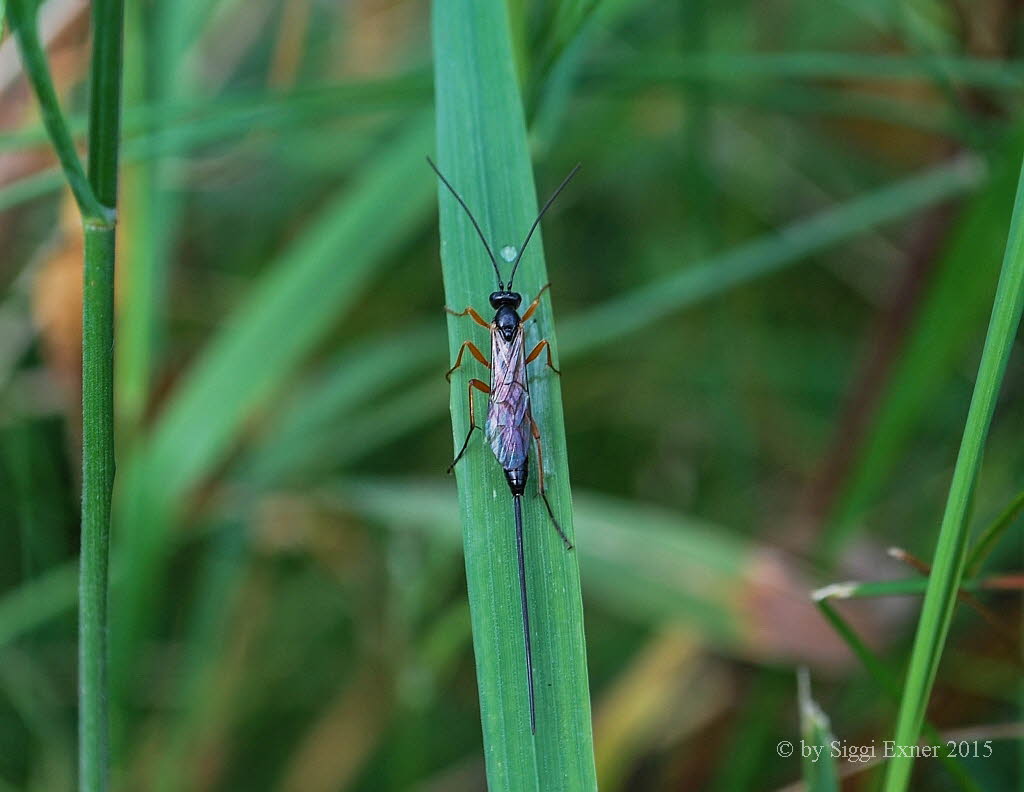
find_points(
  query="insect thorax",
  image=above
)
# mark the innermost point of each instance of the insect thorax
(507, 320)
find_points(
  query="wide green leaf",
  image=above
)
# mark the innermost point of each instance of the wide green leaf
(482, 148)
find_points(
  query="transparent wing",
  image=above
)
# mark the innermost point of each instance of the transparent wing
(508, 427)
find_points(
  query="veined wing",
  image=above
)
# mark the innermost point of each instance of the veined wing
(508, 431)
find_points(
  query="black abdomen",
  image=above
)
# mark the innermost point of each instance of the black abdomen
(516, 478)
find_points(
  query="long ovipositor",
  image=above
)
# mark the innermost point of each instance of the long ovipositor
(510, 425)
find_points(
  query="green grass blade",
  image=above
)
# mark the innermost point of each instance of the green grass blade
(946, 322)
(765, 255)
(176, 125)
(879, 671)
(950, 555)
(317, 418)
(161, 71)
(307, 290)
(822, 65)
(482, 148)
(885, 588)
(21, 16)
(993, 533)
(315, 280)
(886, 679)
(105, 99)
(818, 765)
(37, 601)
(216, 595)
(158, 130)
(30, 187)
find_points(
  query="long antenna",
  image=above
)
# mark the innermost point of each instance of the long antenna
(536, 222)
(494, 261)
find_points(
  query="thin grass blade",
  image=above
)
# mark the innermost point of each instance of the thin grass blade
(818, 765)
(309, 287)
(951, 551)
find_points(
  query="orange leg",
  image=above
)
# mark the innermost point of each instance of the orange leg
(471, 314)
(475, 352)
(536, 302)
(480, 386)
(540, 483)
(536, 353)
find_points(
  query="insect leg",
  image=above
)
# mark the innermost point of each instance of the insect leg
(540, 483)
(470, 312)
(480, 386)
(536, 353)
(536, 302)
(474, 351)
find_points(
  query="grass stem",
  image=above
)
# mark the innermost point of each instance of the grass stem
(951, 552)
(95, 193)
(97, 484)
(98, 394)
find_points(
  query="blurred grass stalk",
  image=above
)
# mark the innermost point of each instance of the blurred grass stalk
(96, 195)
(819, 768)
(249, 358)
(482, 148)
(159, 74)
(951, 552)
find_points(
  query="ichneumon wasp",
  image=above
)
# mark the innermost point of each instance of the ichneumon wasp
(510, 425)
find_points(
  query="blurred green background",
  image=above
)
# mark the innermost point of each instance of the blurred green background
(771, 281)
